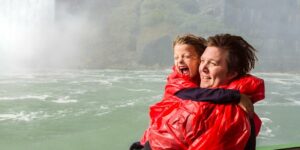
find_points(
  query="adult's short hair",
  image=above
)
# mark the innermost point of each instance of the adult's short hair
(241, 55)
(190, 39)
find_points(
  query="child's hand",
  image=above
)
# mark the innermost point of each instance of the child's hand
(247, 105)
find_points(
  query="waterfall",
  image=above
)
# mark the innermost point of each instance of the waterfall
(22, 26)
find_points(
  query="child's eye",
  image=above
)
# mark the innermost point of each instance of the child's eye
(187, 56)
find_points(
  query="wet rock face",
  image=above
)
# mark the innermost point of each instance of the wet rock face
(271, 27)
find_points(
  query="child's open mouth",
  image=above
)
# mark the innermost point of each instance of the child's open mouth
(184, 70)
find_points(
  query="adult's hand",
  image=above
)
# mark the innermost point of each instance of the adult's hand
(247, 105)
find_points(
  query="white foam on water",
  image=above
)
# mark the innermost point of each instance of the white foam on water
(297, 103)
(104, 107)
(80, 112)
(140, 90)
(102, 110)
(60, 113)
(8, 81)
(31, 97)
(283, 100)
(26, 81)
(293, 100)
(2, 91)
(103, 113)
(104, 82)
(266, 120)
(168, 70)
(125, 105)
(65, 100)
(155, 98)
(121, 78)
(294, 93)
(78, 92)
(20, 116)
(276, 93)
(74, 82)
(266, 131)
(143, 76)
(278, 104)
(279, 81)
(275, 74)
(160, 80)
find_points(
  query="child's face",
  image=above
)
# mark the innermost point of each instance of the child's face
(186, 60)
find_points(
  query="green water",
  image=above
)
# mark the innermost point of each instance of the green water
(108, 109)
(75, 110)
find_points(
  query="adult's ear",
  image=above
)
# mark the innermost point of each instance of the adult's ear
(232, 75)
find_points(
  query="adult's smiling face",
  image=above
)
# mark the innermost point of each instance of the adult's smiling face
(214, 69)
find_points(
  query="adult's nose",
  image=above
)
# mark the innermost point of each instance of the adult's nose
(203, 67)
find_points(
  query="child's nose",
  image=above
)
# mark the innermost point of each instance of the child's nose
(181, 60)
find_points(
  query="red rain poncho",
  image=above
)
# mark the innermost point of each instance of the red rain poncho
(190, 125)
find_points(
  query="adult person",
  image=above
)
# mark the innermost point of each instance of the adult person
(227, 58)
(164, 132)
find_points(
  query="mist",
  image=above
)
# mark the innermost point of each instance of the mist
(45, 34)
(97, 34)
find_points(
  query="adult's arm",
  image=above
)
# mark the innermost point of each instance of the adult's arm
(218, 95)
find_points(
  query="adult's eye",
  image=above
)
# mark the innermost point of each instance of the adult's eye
(213, 63)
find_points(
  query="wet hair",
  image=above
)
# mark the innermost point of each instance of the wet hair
(198, 42)
(241, 55)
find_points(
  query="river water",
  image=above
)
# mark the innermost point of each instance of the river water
(108, 109)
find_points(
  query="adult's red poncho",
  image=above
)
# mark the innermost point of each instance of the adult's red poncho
(189, 125)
